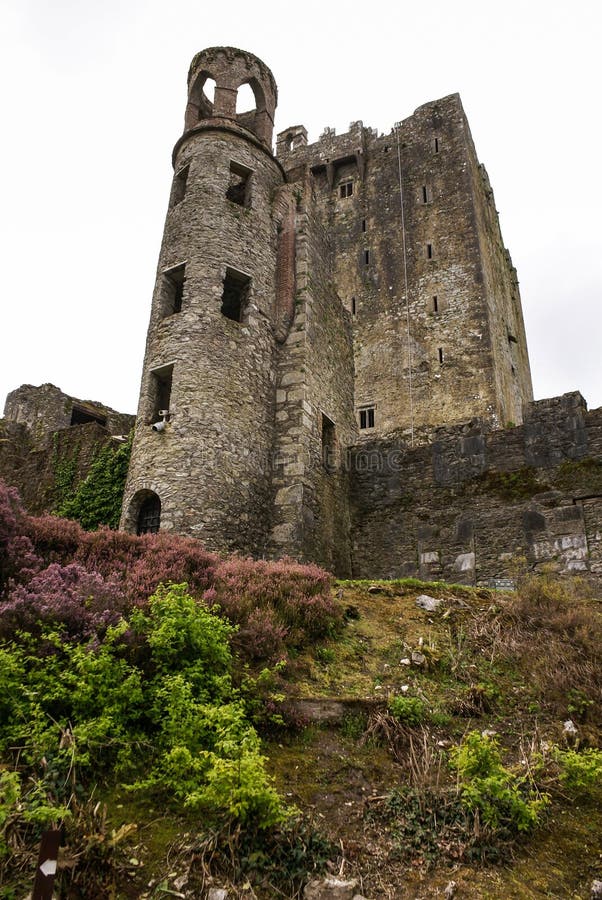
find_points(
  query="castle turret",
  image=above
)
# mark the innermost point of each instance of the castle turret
(201, 459)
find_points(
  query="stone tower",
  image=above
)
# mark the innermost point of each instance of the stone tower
(419, 261)
(208, 377)
(337, 294)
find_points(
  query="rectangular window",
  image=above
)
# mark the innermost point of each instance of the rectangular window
(435, 304)
(161, 380)
(363, 224)
(329, 444)
(179, 186)
(235, 295)
(346, 189)
(436, 145)
(425, 194)
(367, 417)
(239, 186)
(440, 356)
(81, 416)
(353, 306)
(429, 251)
(173, 290)
(366, 257)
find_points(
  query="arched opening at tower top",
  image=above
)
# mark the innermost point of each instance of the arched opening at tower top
(209, 90)
(246, 101)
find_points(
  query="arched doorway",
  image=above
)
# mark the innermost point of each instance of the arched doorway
(149, 515)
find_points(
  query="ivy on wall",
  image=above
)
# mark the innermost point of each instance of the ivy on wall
(65, 470)
(97, 499)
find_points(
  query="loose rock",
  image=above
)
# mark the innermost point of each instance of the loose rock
(330, 889)
(217, 894)
(596, 890)
(430, 604)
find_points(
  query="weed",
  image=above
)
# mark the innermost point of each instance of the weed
(504, 801)
(325, 655)
(580, 772)
(353, 725)
(408, 710)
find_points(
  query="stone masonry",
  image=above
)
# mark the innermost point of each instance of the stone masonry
(336, 366)
(49, 440)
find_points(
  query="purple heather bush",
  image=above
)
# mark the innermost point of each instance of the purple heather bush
(18, 560)
(80, 602)
(53, 572)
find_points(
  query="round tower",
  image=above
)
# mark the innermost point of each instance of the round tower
(201, 459)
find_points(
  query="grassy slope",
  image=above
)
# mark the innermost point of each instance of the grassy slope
(475, 677)
(482, 672)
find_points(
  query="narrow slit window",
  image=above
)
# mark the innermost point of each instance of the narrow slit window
(363, 225)
(329, 444)
(173, 289)
(436, 145)
(353, 306)
(425, 194)
(346, 189)
(366, 257)
(435, 304)
(367, 417)
(161, 383)
(235, 295)
(239, 186)
(429, 251)
(179, 186)
(440, 351)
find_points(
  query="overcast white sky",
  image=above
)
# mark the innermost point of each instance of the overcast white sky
(93, 102)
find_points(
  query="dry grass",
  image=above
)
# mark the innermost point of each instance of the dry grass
(552, 630)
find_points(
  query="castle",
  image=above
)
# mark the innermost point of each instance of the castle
(336, 366)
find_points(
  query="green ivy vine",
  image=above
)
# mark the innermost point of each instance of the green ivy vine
(97, 499)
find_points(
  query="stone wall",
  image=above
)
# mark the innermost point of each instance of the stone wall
(42, 453)
(46, 409)
(475, 502)
(455, 346)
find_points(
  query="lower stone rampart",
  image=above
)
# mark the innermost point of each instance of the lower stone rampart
(474, 506)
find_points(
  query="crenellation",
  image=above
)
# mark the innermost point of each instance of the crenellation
(336, 364)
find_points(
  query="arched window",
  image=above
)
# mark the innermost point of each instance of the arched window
(246, 101)
(209, 90)
(149, 515)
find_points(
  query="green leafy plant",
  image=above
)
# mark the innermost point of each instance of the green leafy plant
(155, 694)
(580, 771)
(578, 704)
(409, 710)
(325, 655)
(505, 801)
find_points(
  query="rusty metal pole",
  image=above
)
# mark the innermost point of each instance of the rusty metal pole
(43, 885)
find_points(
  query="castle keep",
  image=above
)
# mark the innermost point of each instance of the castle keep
(336, 366)
(336, 332)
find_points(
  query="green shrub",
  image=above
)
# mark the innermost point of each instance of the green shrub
(325, 655)
(154, 695)
(409, 710)
(580, 772)
(505, 801)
